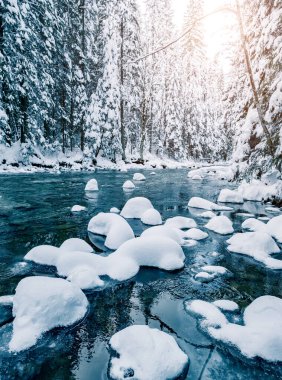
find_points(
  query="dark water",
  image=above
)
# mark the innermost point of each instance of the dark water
(35, 209)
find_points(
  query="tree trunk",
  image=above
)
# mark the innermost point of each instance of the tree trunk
(122, 126)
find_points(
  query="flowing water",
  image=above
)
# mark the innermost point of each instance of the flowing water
(35, 210)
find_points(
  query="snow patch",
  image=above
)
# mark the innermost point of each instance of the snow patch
(201, 203)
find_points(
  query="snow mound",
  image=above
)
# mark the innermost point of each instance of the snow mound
(113, 226)
(230, 196)
(159, 252)
(226, 305)
(163, 231)
(78, 208)
(115, 210)
(145, 354)
(44, 255)
(41, 304)
(75, 244)
(151, 217)
(258, 245)
(215, 269)
(85, 277)
(196, 234)
(180, 222)
(196, 177)
(135, 208)
(207, 214)
(261, 336)
(92, 185)
(256, 191)
(204, 277)
(138, 177)
(202, 203)
(272, 228)
(128, 185)
(210, 313)
(221, 225)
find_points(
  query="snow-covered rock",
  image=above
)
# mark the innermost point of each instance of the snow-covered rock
(196, 234)
(41, 304)
(75, 244)
(146, 354)
(207, 214)
(196, 177)
(258, 245)
(261, 336)
(180, 222)
(164, 231)
(204, 277)
(78, 208)
(44, 254)
(210, 313)
(256, 191)
(85, 277)
(215, 269)
(92, 185)
(230, 196)
(135, 208)
(151, 217)
(6, 300)
(201, 203)
(115, 210)
(273, 227)
(128, 185)
(138, 177)
(221, 225)
(226, 305)
(113, 226)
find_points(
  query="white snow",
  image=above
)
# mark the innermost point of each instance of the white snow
(150, 354)
(164, 231)
(85, 277)
(128, 185)
(6, 300)
(211, 313)
(221, 225)
(44, 254)
(151, 217)
(258, 245)
(207, 214)
(201, 203)
(92, 185)
(135, 208)
(230, 196)
(226, 305)
(273, 227)
(138, 177)
(115, 210)
(256, 191)
(41, 304)
(204, 277)
(261, 336)
(75, 244)
(215, 269)
(78, 208)
(180, 222)
(196, 234)
(196, 177)
(113, 226)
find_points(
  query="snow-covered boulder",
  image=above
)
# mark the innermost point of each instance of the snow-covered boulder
(41, 304)
(44, 254)
(113, 226)
(256, 191)
(258, 245)
(146, 354)
(75, 244)
(92, 185)
(159, 252)
(215, 269)
(164, 231)
(180, 222)
(196, 177)
(128, 185)
(201, 203)
(204, 277)
(135, 208)
(138, 177)
(253, 224)
(210, 313)
(226, 305)
(151, 217)
(230, 196)
(115, 210)
(85, 277)
(196, 234)
(207, 214)
(78, 208)
(261, 335)
(221, 225)
(273, 227)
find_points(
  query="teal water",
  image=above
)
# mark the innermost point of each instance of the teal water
(35, 210)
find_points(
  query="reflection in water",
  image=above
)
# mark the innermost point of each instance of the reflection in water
(35, 209)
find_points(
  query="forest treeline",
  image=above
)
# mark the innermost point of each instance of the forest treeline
(71, 79)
